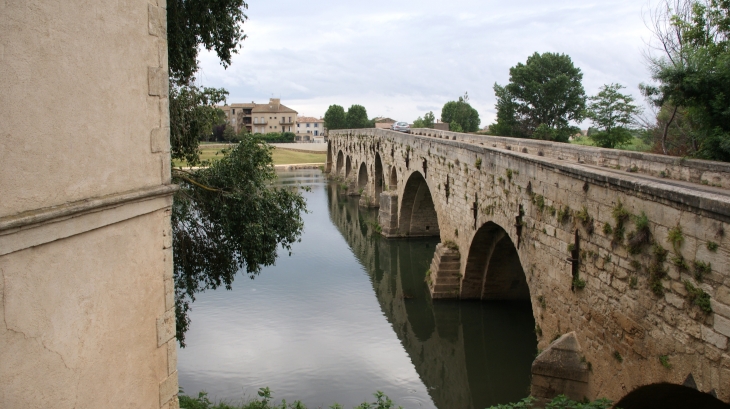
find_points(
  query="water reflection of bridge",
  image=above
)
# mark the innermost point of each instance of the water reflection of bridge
(467, 354)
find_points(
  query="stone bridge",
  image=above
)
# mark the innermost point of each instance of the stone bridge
(625, 252)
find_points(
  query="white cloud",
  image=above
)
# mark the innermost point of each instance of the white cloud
(404, 58)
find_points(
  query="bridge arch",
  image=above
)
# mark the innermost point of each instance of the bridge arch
(348, 166)
(378, 176)
(493, 268)
(362, 177)
(668, 396)
(340, 163)
(393, 182)
(418, 216)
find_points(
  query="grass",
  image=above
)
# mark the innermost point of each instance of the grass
(280, 156)
(636, 144)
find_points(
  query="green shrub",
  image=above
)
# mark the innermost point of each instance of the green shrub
(712, 246)
(676, 237)
(701, 269)
(664, 360)
(559, 402)
(698, 297)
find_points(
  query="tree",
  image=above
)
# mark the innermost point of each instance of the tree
(227, 215)
(427, 121)
(543, 96)
(460, 116)
(215, 25)
(357, 117)
(693, 74)
(335, 118)
(612, 115)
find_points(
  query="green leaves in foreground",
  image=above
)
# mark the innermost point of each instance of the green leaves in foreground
(560, 402)
(227, 217)
(264, 402)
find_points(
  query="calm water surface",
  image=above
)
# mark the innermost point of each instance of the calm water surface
(349, 314)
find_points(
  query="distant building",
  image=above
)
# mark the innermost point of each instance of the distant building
(383, 123)
(310, 129)
(261, 118)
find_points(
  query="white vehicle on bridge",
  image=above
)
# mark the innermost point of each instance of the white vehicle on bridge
(401, 127)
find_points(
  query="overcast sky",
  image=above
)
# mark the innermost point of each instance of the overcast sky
(402, 59)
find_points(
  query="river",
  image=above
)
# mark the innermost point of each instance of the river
(348, 314)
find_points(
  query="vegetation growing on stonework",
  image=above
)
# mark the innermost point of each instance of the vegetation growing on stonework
(656, 270)
(641, 237)
(701, 269)
(712, 246)
(451, 244)
(579, 283)
(478, 163)
(559, 402)
(564, 214)
(676, 237)
(620, 216)
(664, 360)
(539, 200)
(618, 357)
(586, 220)
(698, 297)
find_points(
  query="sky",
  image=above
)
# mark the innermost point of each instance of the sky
(401, 59)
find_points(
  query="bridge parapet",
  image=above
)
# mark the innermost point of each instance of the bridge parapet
(709, 173)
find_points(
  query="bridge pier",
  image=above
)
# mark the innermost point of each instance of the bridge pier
(388, 214)
(444, 280)
(560, 370)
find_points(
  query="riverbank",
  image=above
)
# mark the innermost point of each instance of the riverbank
(282, 155)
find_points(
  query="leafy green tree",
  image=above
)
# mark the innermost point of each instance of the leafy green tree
(214, 25)
(612, 114)
(460, 116)
(693, 76)
(227, 217)
(335, 118)
(427, 121)
(357, 117)
(542, 98)
(227, 214)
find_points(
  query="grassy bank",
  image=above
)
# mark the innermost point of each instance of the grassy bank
(636, 144)
(280, 156)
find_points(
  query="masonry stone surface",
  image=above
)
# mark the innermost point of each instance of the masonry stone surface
(538, 220)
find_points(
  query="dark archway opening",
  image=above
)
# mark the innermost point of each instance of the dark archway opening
(378, 176)
(669, 396)
(362, 178)
(340, 163)
(418, 217)
(348, 167)
(493, 269)
(393, 185)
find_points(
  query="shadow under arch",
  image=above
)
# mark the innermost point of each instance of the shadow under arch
(669, 396)
(362, 176)
(348, 166)
(393, 182)
(493, 268)
(340, 163)
(378, 176)
(417, 216)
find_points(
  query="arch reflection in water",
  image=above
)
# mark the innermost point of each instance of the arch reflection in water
(468, 354)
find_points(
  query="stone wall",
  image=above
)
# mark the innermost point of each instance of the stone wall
(633, 304)
(86, 292)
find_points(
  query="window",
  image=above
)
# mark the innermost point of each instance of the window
(316, 132)
(316, 125)
(307, 125)
(297, 125)
(234, 110)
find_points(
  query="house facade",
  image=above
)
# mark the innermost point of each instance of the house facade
(261, 118)
(310, 129)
